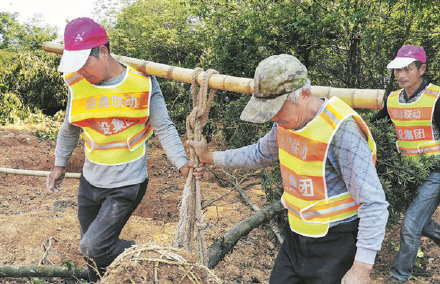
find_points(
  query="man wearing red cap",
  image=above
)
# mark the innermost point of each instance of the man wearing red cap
(415, 112)
(117, 108)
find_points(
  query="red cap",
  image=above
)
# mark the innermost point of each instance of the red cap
(406, 55)
(80, 36)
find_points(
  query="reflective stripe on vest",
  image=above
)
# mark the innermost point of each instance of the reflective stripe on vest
(130, 144)
(114, 118)
(303, 154)
(413, 122)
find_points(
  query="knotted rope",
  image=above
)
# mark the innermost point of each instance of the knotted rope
(190, 210)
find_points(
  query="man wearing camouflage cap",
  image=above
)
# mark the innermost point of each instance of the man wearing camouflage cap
(327, 160)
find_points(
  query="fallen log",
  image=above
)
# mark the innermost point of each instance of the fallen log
(356, 98)
(43, 271)
(221, 247)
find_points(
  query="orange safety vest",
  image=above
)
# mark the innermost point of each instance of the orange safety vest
(302, 155)
(413, 122)
(114, 118)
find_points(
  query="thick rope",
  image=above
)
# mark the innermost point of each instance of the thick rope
(191, 210)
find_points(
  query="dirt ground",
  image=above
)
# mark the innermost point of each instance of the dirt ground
(37, 227)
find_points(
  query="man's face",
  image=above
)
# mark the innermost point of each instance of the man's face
(291, 115)
(93, 70)
(409, 77)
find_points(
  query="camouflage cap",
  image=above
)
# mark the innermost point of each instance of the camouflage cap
(275, 77)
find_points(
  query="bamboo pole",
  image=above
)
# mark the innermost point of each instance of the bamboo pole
(356, 98)
(35, 173)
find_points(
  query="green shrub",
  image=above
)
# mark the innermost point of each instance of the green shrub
(237, 133)
(178, 101)
(272, 182)
(14, 111)
(35, 80)
(52, 127)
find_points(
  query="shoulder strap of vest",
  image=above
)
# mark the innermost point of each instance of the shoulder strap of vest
(433, 89)
(393, 96)
(72, 78)
(136, 72)
(394, 93)
(346, 111)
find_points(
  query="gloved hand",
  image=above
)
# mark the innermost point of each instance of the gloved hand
(54, 181)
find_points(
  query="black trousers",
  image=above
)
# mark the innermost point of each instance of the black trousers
(102, 214)
(322, 260)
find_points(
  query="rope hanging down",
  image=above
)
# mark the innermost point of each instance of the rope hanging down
(190, 209)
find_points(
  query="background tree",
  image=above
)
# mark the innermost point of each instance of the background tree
(16, 37)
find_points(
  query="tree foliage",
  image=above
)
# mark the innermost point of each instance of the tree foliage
(35, 80)
(13, 111)
(158, 30)
(17, 37)
(29, 81)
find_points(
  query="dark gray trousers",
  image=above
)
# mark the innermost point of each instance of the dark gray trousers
(305, 260)
(102, 214)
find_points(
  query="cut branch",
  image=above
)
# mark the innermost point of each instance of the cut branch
(220, 248)
(254, 206)
(43, 271)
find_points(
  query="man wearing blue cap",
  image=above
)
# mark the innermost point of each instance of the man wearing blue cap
(415, 112)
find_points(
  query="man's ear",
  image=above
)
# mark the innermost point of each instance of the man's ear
(422, 69)
(306, 93)
(103, 50)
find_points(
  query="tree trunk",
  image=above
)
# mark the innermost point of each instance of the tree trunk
(220, 248)
(43, 271)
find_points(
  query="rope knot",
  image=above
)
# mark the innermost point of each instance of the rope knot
(200, 223)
